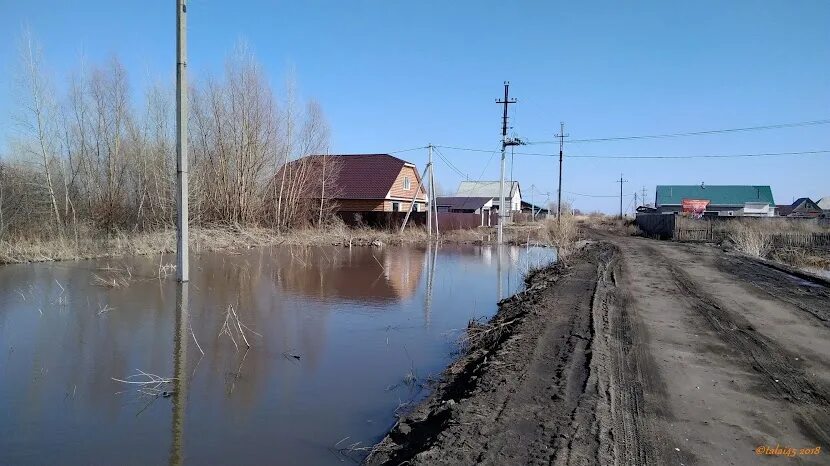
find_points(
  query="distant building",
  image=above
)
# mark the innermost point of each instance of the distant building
(803, 207)
(490, 189)
(710, 201)
(535, 210)
(467, 205)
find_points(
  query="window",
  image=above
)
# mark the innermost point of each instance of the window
(406, 185)
(415, 207)
(396, 207)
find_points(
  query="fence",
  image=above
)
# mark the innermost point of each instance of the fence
(680, 228)
(801, 240)
(459, 221)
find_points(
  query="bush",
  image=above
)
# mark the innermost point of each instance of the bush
(750, 237)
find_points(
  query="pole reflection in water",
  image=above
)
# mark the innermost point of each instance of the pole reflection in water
(498, 270)
(432, 253)
(180, 381)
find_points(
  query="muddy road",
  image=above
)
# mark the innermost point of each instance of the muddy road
(639, 352)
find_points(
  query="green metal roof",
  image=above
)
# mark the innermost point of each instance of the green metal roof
(729, 195)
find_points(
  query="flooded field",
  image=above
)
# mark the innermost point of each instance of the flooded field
(340, 339)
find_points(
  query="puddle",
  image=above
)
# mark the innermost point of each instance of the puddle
(347, 337)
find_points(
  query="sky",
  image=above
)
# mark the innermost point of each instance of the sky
(394, 75)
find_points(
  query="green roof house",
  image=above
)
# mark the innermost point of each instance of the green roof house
(721, 200)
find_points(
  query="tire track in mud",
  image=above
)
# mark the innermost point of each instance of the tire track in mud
(797, 291)
(572, 384)
(809, 398)
(615, 409)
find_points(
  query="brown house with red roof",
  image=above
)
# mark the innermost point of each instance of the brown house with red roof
(374, 183)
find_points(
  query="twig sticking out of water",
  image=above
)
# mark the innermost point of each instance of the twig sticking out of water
(148, 384)
(113, 281)
(196, 341)
(232, 325)
(105, 309)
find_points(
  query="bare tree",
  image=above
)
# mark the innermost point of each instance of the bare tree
(38, 118)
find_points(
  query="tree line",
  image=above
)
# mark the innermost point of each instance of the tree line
(97, 159)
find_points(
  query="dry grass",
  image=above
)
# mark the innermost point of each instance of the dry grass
(90, 245)
(562, 235)
(616, 225)
(750, 237)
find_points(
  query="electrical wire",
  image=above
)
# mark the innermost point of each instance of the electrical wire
(596, 195)
(707, 156)
(692, 133)
(406, 150)
(450, 164)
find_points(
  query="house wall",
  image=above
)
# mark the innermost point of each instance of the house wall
(361, 205)
(516, 201)
(398, 190)
(404, 206)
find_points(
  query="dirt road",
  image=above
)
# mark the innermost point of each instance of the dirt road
(640, 352)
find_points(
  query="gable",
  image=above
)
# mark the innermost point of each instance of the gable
(398, 188)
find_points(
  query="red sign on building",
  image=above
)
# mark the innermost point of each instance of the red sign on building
(696, 207)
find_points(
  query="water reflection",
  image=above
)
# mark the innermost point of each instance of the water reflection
(357, 321)
(180, 373)
(362, 275)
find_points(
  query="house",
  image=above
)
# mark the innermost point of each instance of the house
(803, 207)
(490, 189)
(469, 205)
(535, 210)
(371, 183)
(716, 200)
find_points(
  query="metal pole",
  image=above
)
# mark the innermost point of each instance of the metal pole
(182, 263)
(429, 192)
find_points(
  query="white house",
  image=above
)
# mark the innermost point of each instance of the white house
(512, 192)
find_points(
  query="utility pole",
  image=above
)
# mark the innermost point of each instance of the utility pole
(644, 195)
(504, 143)
(182, 260)
(430, 197)
(561, 137)
(621, 181)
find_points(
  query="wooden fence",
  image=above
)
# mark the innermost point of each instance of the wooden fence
(801, 240)
(694, 234)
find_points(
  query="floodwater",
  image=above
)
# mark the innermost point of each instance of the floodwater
(340, 339)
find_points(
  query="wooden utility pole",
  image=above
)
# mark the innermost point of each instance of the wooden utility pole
(504, 143)
(621, 181)
(182, 262)
(561, 137)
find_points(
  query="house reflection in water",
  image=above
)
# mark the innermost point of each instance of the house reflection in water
(354, 274)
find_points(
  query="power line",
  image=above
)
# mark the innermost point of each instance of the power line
(694, 133)
(594, 195)
(407, 150)
(450, 164)
(651, 157)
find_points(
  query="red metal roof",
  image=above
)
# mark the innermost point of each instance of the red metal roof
(365, 176)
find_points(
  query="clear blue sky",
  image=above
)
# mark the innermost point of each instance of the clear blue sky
(399, 74)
